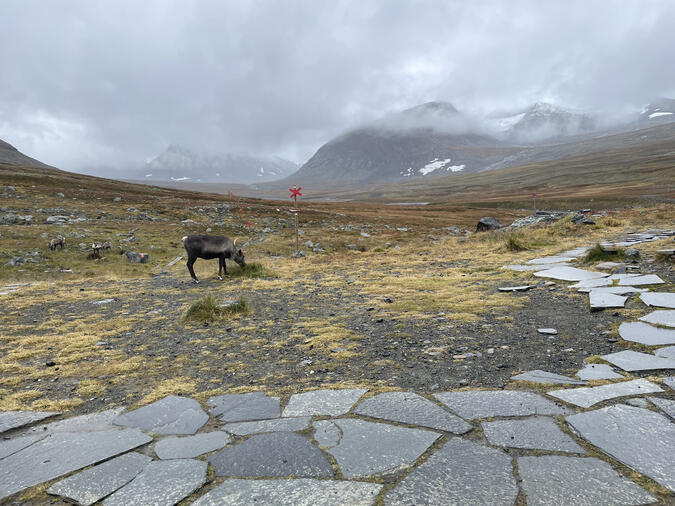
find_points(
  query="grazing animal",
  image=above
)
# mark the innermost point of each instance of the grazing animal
(59, 240)
(209, 247)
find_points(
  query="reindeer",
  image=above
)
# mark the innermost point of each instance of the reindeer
(58, 241)
(209, 247)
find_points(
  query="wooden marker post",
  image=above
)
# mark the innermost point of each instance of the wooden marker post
(534, 202)
(295, 193)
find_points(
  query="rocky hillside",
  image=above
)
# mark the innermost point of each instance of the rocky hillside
(10, 155)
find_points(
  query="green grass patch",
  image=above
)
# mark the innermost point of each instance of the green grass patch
(252, 270)
(208, 309)
(597, 254)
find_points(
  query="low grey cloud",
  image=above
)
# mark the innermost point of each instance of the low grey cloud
(112, 83)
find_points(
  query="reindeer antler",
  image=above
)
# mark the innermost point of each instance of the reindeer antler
(235, 241)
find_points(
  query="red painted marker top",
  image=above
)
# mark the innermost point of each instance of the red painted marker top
(295, 191)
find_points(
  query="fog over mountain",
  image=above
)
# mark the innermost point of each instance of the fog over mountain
(114, 83)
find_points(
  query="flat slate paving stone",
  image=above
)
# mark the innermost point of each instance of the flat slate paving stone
(617, 290)
(170, 415)
(162, 483)
(63, 453)
(326, 433)
(547, 260)
(525, 268)
(574, 253)
(665, 317)
(569, 274)
(597, 371)
(244, 407)
(103, 420)
(15, 419)
(630, 360)
(461, 472)
(275, 425)
(609, 265)
(413, 409)
(300, 492)
(666, 352)
(586, 397)
(670, 381)
(589, 284)
(279, 454)
(548, 331)
(12, 446)
(486, 403)
(536, 433)
(638, 438)
(638, 402)
(629, 279)
(92, 485)
(659, 299)
(188, 447)
(639, 332)
(665, 405)
(323, 402)
(368, 448)
(521, 288)
(601, 300)
(575, 481)
(545, 377)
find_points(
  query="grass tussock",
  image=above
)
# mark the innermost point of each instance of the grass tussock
(597, 254)
(208, 309)
(253, 270)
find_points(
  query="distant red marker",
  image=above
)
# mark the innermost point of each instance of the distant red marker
(295, 192)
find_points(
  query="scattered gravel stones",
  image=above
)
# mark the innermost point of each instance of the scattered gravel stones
(14, 419)
(586, 397)
(461, 472)
(279, 454)
(546, 378)
(643, 333)
(484, 404)
(659, 299)
(92, 485)
(162, 483)
(323, 402)
(63, 453)
(661, 317)
(275, 425)
(244, 407)
(597, 371)
(639, 438)
(630, 360)
(553, 479)
(170, 415)
(368, 448)
(536, 433)
(190, 446)
(413, 409)
(300, 492)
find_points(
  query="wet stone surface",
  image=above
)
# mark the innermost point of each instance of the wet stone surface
(12, 446)
(14, 419)
(59, 454)
(460, 472)
(639, 438)
(244, 407)
(299, 492)
(410, 408)
(537, 433)
(485, 404)
(587, 396)
(367, 448)
(170, 415)
(630, 360)
(278, 454)
(555, 479)
(95, 483)
(162, 483)
(275, 425)
(323, 402)
(188, 447)
(544, 377)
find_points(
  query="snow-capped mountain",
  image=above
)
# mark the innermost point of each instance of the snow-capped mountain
(659, 109)
(178, 163)
(542, 122)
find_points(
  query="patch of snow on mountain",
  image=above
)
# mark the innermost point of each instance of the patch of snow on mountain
(148, 175)
(180, 178)
(455, 168)
(508, 121)
(657, 114)
(433, 165)
(407, 173)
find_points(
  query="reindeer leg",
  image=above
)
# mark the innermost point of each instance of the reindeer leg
(190, 263)
(221, 263)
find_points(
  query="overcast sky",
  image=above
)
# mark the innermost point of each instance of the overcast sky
(112, 83)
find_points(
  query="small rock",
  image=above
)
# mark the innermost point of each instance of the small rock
(551, 332)
(487, 223)
(117, 199)
(350, 281)
(632, 253)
